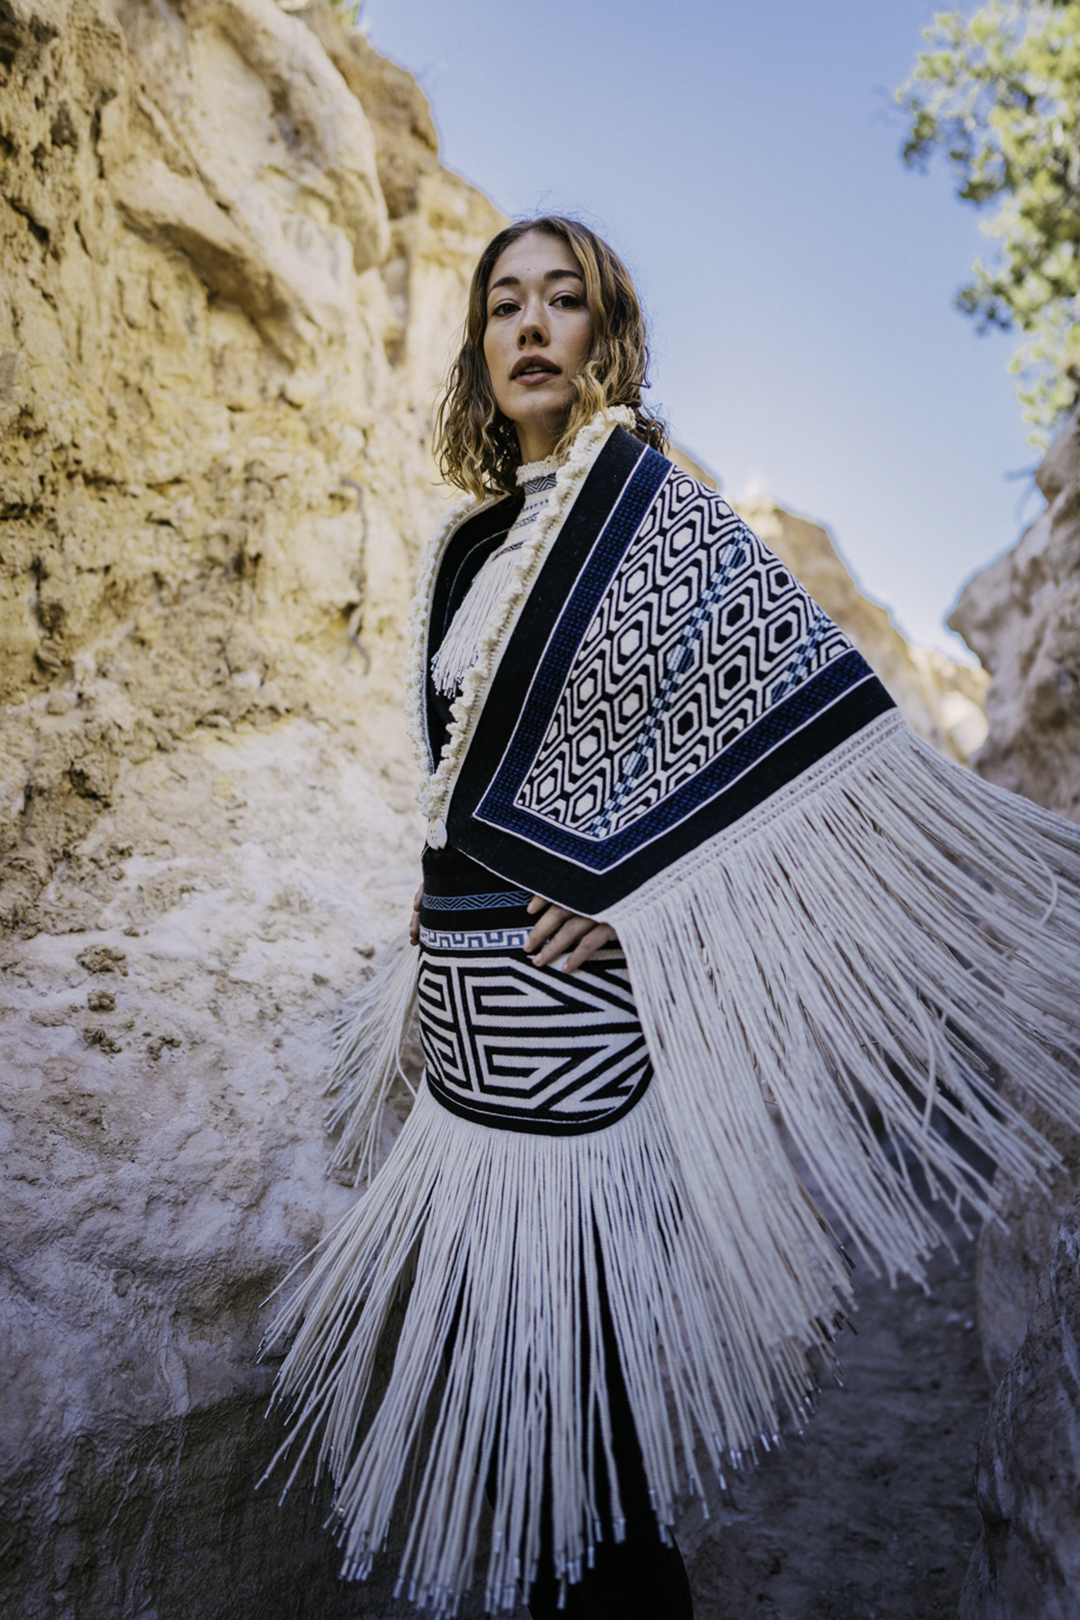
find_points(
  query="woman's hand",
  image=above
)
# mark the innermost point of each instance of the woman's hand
(414, 924)
(557, 930)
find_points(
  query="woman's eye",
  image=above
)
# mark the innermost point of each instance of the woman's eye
(504, 307)
(567, 301)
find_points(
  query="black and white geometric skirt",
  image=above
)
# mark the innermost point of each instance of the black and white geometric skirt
(519, 1047)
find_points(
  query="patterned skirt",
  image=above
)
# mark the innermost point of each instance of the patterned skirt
(511, 1045)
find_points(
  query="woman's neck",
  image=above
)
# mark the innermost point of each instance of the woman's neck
(537, 440)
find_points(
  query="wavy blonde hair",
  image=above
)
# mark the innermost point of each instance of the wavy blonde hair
(475, 444)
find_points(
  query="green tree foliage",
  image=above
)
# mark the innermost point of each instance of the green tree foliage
(999, 93)
(350, 11)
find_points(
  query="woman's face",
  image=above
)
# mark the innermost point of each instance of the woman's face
(538, 337)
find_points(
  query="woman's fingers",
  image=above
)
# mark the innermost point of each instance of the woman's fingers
(557, 931)
(562, 940)
(544, 925)
(414, 923)
(599, 934)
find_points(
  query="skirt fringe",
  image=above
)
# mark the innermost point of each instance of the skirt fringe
(505, 1237)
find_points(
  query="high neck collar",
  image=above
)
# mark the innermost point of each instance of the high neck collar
(534, 470)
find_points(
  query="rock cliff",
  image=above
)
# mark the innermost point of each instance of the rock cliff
(1022, 617)
(1027, 1564)
(232, 267)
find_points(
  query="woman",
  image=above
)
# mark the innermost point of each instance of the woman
(686, 870)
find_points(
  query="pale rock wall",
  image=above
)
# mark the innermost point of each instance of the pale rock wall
(211, 335)
(1022, 617)
(943, 701)
(231, 269)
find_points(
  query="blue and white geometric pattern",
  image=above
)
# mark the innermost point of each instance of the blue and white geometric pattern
(472, 939)
(701, 631)
(475, 902)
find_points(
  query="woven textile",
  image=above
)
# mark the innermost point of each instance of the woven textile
(519, 1047)
(468, 621)
(666, 675)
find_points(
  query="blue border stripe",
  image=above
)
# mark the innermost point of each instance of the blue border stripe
(475, 902)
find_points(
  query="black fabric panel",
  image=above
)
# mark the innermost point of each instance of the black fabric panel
(468, 549)
(449, 871)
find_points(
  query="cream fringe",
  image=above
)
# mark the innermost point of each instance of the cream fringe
(888, 915)
(504, 1231)
(461, 644)
(368, 1039)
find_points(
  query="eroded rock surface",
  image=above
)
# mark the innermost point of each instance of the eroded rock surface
(217, 362)
(1022, 617)
(1027, 1564)
(165, 1166)
(231, 284)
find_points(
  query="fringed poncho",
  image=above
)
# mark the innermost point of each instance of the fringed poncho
(826, 924)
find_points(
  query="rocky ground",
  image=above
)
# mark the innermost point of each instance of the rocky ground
(872, 1516)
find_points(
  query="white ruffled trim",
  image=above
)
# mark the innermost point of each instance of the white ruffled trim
(434, 791)
(536, 469)
(418, 616)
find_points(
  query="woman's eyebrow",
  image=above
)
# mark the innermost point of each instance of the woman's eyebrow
(549, 275)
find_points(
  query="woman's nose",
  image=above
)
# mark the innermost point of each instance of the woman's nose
(533, 328)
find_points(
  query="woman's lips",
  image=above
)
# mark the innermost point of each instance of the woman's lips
(532, 379)
(533, 365)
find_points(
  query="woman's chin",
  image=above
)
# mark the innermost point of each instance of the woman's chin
(540, 405)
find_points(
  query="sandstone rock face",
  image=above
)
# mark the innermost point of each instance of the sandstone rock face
(941, 700)
(232, 270)
(164, 1166)
(1022, 617)
(1012, 1255)
(217, 362)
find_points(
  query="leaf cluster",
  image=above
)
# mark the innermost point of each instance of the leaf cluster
(998, 93)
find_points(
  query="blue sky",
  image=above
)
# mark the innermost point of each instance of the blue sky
(744, 159)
